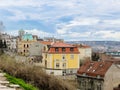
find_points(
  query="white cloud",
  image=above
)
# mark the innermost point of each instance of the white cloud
(99, 15)
(37, 32)
(20, 3)
(111, 34)
(64, 27)
(40, 33)
(112, 22)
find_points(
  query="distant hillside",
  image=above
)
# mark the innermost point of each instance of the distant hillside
(100, 45)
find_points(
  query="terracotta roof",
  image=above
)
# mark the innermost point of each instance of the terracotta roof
(94, 68)
(61, 44)
(60, 47)
(46, 42)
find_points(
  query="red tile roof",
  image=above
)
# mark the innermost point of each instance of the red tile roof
(60, 47)
(46, 42)
(61, 44)
(94, 68)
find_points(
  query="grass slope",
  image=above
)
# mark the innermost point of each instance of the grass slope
(20, 82)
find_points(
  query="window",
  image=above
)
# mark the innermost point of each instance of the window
(57, 65)
(24, 50)
(63, 49)
(56, 49)
(71, 71)
(72, 56)
(63, 56)
(71, 49)
(27, 46)
(64, 65)
(99, 86)
(24, 45)
(64, 72)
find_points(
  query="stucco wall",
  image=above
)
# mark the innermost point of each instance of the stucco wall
(112, 78)
(54, 72)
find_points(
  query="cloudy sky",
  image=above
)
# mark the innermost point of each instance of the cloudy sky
(67, 19)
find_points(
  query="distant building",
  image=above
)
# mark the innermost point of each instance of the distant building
(24, 43)
(62, 59)
(52, 39)
(113, 54)
(85, 52)
(35, 49)
(98, 76)
(7, 38)
(13, 44)
(21, 33)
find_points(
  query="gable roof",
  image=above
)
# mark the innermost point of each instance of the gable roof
(61, 44)
(94, 68)
(46, 42)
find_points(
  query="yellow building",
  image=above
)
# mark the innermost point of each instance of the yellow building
(24, 43)
(62, 59)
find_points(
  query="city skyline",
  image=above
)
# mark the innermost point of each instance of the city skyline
(66, 19)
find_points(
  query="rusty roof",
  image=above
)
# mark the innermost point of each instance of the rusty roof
(94, 68)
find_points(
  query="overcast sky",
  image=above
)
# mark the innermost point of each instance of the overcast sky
(67, 19)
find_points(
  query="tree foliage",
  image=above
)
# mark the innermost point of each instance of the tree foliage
(95, 57)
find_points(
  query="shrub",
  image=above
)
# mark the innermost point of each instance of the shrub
(33, 74)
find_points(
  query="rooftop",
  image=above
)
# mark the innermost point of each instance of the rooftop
(46, 42)
(94, 68)
(61, 44)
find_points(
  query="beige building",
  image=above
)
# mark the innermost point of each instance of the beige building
(85, 52)
(45, 47)
(35, 49)
(98, 76)
(24, 42)
(35, 53)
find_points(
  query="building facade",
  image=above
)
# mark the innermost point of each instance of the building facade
(62, 59)
(24, 43)
(98, 76)
(85, 52)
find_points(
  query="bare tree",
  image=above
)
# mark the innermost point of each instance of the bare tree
(2, 27)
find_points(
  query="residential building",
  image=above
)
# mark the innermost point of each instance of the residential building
(7, 38)
(100, 75)
(85, 52)
(35, 49)
(45, 47)
(62, 59)
(13, 44)
(35, 54)
(24, 43)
